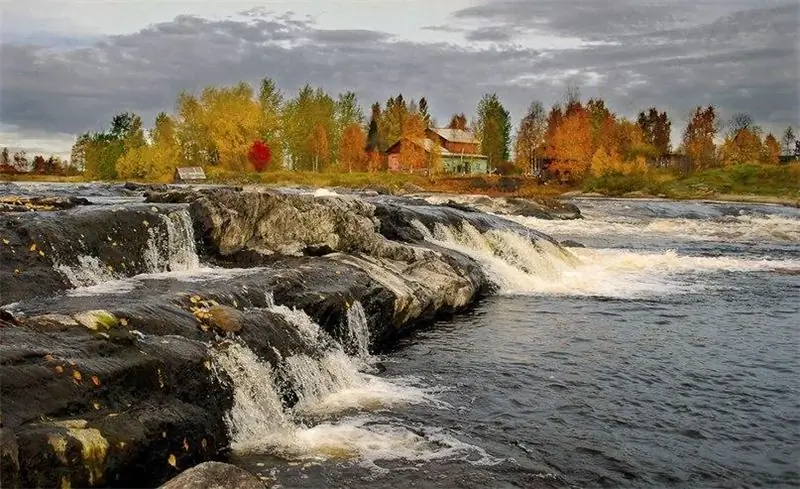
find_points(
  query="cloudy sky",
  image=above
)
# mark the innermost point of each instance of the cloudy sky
(68, 66)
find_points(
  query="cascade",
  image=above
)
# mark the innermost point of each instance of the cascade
(170, 248)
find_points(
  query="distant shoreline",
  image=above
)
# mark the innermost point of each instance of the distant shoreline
(404, 182)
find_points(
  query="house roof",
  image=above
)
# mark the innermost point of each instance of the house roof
(456, 135)
(191, 173)
(429, 145)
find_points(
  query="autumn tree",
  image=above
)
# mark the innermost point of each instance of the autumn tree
(352, 156)
(318, 147)
(458, 121)
(413, 154)
(390, 127)
(788, 141)
(571, 143)
(259, 155)
(493, 129)
(5, 159)
(20, 160)
(529, 142)
(698, 137)
(743, 146)
(771, 152)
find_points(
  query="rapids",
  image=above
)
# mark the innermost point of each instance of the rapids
(660, 354)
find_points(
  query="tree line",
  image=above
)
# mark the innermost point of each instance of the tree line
(240, 129)
(20, 162)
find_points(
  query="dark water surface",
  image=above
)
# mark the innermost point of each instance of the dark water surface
(685, 374)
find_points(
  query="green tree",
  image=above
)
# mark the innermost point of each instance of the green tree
(373, 133)
(424, 111)
(308, 115)
(493, 129)
(271, 101)
(788, 140)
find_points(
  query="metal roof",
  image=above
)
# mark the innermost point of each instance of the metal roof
(455, 135)
(191, 173)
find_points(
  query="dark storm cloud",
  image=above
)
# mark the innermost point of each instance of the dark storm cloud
(674, 55)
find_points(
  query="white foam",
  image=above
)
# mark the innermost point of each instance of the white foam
(743, 229)
(519, 266)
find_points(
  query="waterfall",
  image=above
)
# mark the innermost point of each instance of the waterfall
(326, 384)
(358, 330)
(173, 250)
(170, 248)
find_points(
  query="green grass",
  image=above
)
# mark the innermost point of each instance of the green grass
(743, 180)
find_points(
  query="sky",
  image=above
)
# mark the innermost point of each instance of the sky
(67, 66)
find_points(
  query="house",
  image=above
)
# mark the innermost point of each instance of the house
(191, 174)
(458, 149)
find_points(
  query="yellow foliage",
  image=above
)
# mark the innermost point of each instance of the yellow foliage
(351, 151)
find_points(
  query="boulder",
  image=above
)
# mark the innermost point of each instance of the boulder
(214, 475)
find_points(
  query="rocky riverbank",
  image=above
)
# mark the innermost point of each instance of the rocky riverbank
(112, 314)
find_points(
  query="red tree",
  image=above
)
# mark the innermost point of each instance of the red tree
(260, 155)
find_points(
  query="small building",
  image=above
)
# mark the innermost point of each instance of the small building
(458, 149)
(189, 174)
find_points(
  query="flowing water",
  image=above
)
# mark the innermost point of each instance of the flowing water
(663, 354)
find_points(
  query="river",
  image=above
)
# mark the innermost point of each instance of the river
(662, 353)
(668, 357)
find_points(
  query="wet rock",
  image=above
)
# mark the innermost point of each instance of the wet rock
(42, 253)
(214, 475)
(9, 459)
(28, 204)
(138, 187)
(568, 243)
(412, 189)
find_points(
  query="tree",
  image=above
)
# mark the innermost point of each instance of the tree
(271, 101)
(318, 146)
(788, 141)
(351, 151)
(742, 147)
(772, 150)
(604, 163)
(21, 161)
(5, 159)
(739, 122)
(39, 164)
(571, 144)
(424, 112)
(259, 155)
(493, 129)
(458, 121)
(530, 139)
(390, 127)
(656, 129)
(413, 154)
(309, 118)
(698, 137)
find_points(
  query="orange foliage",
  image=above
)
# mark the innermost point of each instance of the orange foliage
(571, 144)
(772, 150)
(374, 162)
(412, 154)
(351, 151)
(318, 146)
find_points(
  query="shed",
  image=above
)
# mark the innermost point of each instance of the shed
(190, 174)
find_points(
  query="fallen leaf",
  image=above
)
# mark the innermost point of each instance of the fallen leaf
(203, 443)
(145, 223)
(123, 321)
(33, 247)
(41, 252)
(185, 445)
(59, 369)
(95, 380)
(77, 376)
(172, 461)
(96, 405)
(195, 299)
(5, 241)
(207, 364)
(49, 358)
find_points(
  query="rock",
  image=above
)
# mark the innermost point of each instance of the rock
(28, 204)
(9, 459)
(508, 184)
(225, 319)
(214, 475)
(568, 243)
(410, 188)
(379, 188)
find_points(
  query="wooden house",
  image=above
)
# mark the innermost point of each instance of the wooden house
(458, 149)
(191, 174)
